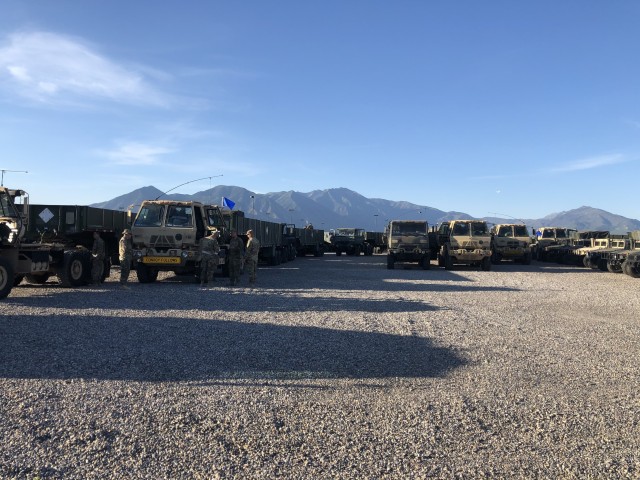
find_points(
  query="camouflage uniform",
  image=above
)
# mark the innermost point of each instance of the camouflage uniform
(126, 256)
(209, 249)
(251, 257)
(234, 258)
(97, 259)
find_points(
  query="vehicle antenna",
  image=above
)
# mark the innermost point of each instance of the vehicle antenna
(11, 171)
(186, 183)
(508, 216)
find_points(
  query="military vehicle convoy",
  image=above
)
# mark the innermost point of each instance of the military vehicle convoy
(408, 242)
(41, 241)
(350, 241)
(510, 241)
(464, 242)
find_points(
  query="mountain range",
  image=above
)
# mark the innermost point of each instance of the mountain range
(341, 207)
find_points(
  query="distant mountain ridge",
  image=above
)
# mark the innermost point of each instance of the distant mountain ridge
(341, 207)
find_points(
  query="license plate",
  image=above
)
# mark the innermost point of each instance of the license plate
(162, 260)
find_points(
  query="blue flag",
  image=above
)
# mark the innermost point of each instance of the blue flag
(228, 203)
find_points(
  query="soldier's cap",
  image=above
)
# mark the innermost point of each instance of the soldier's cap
(126, 231)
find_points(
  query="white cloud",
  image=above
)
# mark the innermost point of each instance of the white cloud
(48, 67)
(134, 153)
(589, 163)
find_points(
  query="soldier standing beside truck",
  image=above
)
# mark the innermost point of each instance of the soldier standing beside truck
(97, 259)
(209, 250)
(251, 256)
(234, 256)
(125, 256)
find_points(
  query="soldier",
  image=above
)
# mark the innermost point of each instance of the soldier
(209, 249)
(126, 255)
(251, 256)
(97, 259)
(234, 257)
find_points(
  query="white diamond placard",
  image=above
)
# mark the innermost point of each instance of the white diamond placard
(46, 215)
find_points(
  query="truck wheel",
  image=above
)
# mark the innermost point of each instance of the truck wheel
(586, 262)
(6, 277)
(425, 263)
(526, 260)
(495, 258)
(485, 265)
(74, 269)
(614, 268)
(145, 273)
(448, 261)
(37, 279)
(17, 280)
(633, 271)
(390, 262)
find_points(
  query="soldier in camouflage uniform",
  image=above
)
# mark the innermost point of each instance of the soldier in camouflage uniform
(251, 256)
(126, 256)
(234, 257)
(209, 249)
(97, 259)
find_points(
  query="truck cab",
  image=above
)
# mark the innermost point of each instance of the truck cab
(166, 236)
(510, 242)
(464, 242)
(408, 241)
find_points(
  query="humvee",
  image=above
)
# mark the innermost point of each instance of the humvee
(547, 237)
(464, 242)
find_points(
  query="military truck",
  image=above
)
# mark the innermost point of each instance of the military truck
(408, 242)
(41, 241)
(350, 241)
(377, 240)
(631, 264)
(510, 241)
(303, 241)
(464, 242)
(580, 244)
(167, 233)
(548, 237)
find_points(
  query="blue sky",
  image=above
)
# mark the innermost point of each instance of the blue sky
(519, 108)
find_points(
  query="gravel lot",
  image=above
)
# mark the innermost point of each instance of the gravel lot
(332, 367)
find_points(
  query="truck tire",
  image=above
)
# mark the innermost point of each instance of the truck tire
(614, 268)
(425, 263)
(448, 261)
(6, 277)
(526, 260)
(390, 262)
(145, 273)
(37, 279)
(632, 271)
(17, 280)
(485, 265)
(74, 269)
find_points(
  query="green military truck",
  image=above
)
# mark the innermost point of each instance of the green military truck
(41, 241)
(510, 241)
(464, 242)
(350, 241)
(408, 242)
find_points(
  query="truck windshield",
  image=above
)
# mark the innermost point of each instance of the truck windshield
(150, 215)
(506, 231)
(461, 229)
(179, 216)
(547, 233)
(561, 233)
(520, 231)
(408, 228)
(346, 232)
(6, 207)
(479, 228)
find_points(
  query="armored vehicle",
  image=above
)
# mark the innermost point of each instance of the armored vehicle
(350, 241)
(598, 258)
(408, 241)
(580, 244)
(464, 242)
(510, 242)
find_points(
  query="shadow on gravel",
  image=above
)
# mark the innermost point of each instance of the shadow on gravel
(179, 349)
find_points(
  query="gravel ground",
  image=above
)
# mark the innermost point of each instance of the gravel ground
(332, 367)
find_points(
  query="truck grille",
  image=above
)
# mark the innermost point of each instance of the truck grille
(162, 241)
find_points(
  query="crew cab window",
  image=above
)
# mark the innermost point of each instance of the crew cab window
(179, 216)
